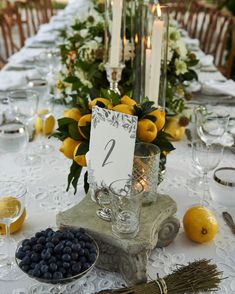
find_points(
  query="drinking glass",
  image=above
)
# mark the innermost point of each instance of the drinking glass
(24, 106)
(206, 158)
(12, 203)
(126, 200)
(13, 136)
(146, 168)
(45, 123)
(211, 125)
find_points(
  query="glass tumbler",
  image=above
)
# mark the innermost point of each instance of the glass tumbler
(146, 169)
(126, 201)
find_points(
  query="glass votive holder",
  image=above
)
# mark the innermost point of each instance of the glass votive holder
(146, 169)
(222, 187)
(126, 201)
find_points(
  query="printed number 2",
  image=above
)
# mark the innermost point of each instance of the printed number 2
(112, 142)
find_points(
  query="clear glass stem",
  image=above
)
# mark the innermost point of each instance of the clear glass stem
(8, 244)
(205, 196)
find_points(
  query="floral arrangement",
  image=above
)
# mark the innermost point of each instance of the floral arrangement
(74, 129)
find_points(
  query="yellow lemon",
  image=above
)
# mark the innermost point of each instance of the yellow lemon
(43, 111)
(73, 113)
(146, 130)
(9, 207)
(15, 226)
(200, 225)
(68, 146)
(173, 129)
(124, 108)
(128, 101)
(80, 159)
(160, 118)
(48, 126)
(108, 104)
(83, 121)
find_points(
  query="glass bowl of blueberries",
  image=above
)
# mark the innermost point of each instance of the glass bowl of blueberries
(57, 256)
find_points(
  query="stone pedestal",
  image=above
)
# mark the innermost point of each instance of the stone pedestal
(158, 228)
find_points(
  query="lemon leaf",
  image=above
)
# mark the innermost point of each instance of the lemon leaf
(74, 133)
(73, 177)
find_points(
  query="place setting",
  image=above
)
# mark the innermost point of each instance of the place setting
(117, 128)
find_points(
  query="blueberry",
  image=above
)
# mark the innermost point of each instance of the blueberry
(82, 244)
(92, 257)
(86, 252)
(41, 240)
(93, 250)
(76, 247)
(81, 252)
(46, 255)
(53, 259)
(57, 276)
(66, 257)
(32, 265)
(50, 245)
(72, 262)
(83, 259)
(30, 272)
(59, 263)
(47, 276)
(53, 267)
(62, 270)
(44, 269)
(74, 256)
(42, 262)
(86, 266)
(59, 248)
(48, 239)
(66, 265)
(49, 231)
(38, 235)
(69, 243)
(76, 268)
(85, 238)
(58, 235)
(38, 248)
(20, 254)
(55, 240)
(26, 260)
(25, 267)
(36, 273)
(67, 250)
(26, 242)
(32, 241)
(70, 235)
(26, 248)
(35, 257)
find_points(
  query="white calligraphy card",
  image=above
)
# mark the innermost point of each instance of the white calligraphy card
(112, 144)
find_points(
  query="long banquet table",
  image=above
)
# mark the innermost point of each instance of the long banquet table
(46, 183)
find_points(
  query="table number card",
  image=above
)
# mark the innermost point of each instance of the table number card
(112, 145)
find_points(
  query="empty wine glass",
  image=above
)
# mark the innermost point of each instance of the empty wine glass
(12, 203)
(206, 158)
(211, 125)
(24, 106)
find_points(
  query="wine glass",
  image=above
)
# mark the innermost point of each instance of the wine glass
(211, 125)
(206, 158)
(12, 203)
(24, 105)
(45, 123)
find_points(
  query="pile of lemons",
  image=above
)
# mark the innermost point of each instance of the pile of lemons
(146, 130)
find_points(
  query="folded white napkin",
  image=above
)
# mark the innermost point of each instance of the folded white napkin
(194, 86)
(207, 61)
(26, 54)
(52, 26)
(192, 43)
(41, 38)
(219, 87)
(15, 79)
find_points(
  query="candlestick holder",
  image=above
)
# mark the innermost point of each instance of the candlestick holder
(114, 75)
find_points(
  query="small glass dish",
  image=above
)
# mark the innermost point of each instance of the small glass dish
(223, 186)
(59, 283)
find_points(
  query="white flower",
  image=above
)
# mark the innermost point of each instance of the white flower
(83, 79)
(181, 50)
(84, 33)
(129, 51)
(181, 67)
(174, 36)
(98, 40)
(86, 52)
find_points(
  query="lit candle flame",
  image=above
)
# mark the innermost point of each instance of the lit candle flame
(148, 42)
(136, 39)
(159, 13)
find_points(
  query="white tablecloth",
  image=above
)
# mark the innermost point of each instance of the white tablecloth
(46, 185)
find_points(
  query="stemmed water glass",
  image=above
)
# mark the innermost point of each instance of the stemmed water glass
(12, 203)
(206, 158)
(23, 105)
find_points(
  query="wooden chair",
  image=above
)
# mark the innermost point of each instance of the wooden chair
(11, 30)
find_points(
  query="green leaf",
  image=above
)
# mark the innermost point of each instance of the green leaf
(65, 121)
(83, 148)
(59, 136)
(86, 184)
(73, 177)
(73, 132)
(86, 130)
